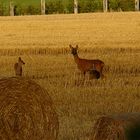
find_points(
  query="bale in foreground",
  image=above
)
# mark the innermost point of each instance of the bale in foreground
(26, 111)
(117, 127)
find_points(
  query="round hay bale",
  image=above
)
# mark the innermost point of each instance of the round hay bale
(117, 127)
(26, 111)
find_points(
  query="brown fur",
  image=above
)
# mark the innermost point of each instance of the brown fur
(85, 65)
(18, 67)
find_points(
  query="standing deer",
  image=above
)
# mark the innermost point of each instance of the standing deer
(85, 65)
(18, 67)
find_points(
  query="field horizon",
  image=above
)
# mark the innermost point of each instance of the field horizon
(43, 43)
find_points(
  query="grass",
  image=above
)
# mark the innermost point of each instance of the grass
(43, 43)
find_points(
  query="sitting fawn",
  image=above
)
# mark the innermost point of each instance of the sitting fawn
(86, 65)
(18, 67)
(94, 74)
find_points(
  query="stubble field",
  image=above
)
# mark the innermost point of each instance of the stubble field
(43, 43)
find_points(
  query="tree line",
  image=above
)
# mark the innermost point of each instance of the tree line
(67, 6)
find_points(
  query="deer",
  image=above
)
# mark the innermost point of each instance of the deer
(87, 65)
(18, 67)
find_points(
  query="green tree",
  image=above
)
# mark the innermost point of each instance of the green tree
(59, 6)
(50, 8)
(125, 5)
(69, 7)
(90, 6)
(1, 9)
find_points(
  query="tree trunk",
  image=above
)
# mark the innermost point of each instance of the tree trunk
(105, 5)
(137, 5)
(42, 7)
(75, 6)
(11, 8)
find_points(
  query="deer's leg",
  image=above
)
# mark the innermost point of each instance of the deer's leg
(84, 73)
(21, 71)
(102, 76)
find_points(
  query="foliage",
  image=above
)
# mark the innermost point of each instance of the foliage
(64, 6)
(1, 9)
(29, 10)
(90, 6)
(125, 5)
(54, 7)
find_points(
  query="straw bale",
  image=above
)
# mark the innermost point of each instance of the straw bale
(117, 127)
(26, 111)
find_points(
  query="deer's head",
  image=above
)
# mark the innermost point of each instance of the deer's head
(73, 50)
(20, 61)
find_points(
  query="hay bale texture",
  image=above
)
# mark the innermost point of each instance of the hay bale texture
(26, 111)
(117, 127)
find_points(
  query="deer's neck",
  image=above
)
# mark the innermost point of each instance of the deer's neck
(19, 64)
(76, 58)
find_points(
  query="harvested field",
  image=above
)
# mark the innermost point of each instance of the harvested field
(43, 43)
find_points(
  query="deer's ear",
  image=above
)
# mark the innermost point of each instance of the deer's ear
(70, 46)
(76, 46)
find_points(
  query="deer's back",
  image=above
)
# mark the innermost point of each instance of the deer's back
(86, 65)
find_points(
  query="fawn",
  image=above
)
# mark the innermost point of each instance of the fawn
(85, 65)
(18, 67)
(94, 74)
